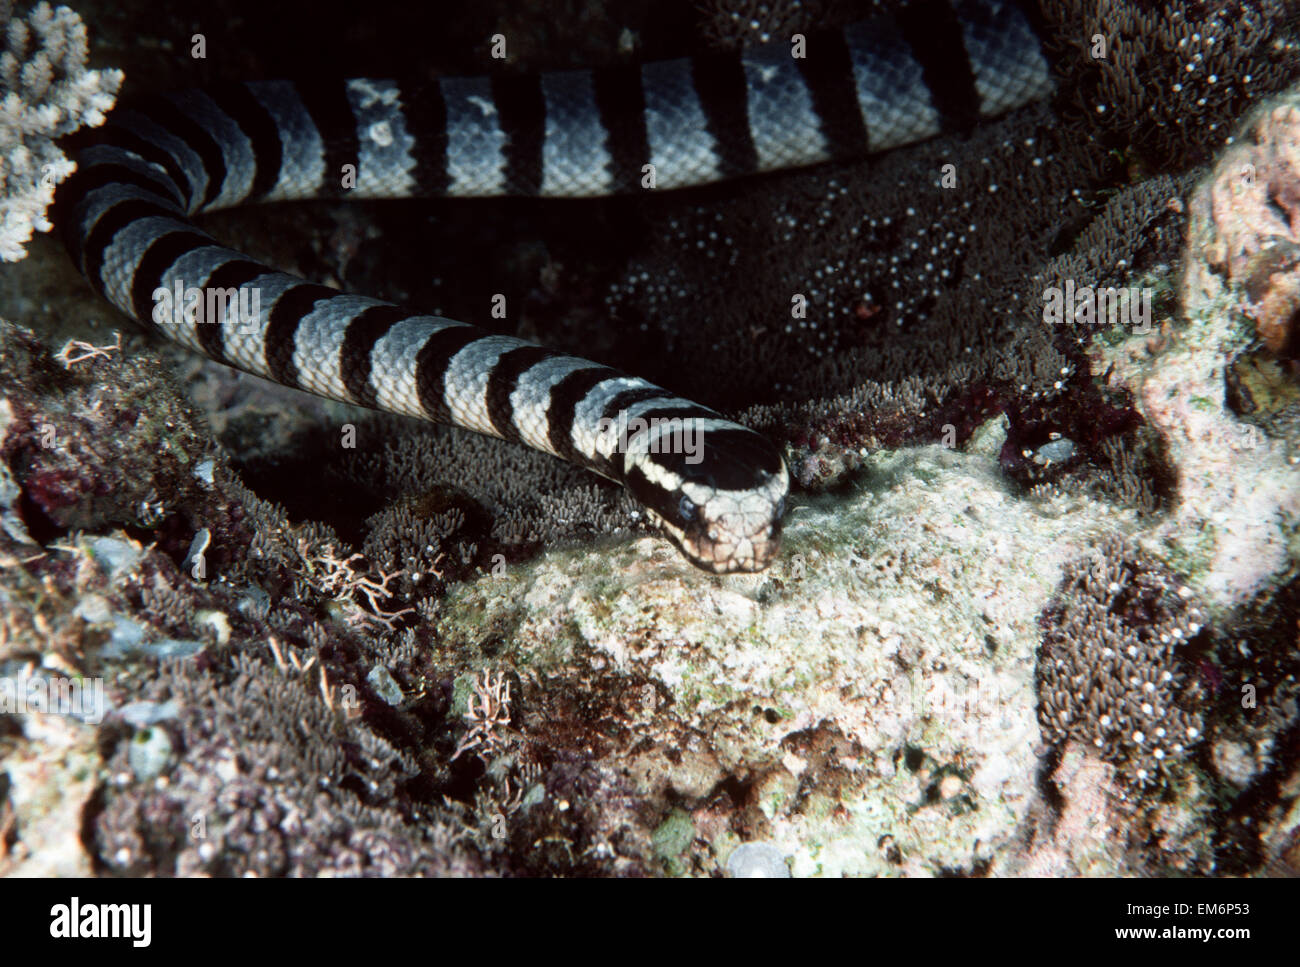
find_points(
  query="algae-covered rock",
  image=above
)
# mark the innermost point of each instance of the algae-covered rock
(877, 684)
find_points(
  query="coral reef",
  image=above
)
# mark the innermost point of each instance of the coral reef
(521, 499)
(68, 453)
(46, 92)
(1231, 529)
(866, 707)
(737, 23)
(305, 790)
(446, 655)
(1243, 226)
(869, 286)
(1167, 83)
(1111, 673)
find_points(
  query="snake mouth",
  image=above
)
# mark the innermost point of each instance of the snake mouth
(721, 503)
(725, 513)
(728, 532)
(734, 553)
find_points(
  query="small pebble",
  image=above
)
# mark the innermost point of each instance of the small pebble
(383, 682)
(761, 860)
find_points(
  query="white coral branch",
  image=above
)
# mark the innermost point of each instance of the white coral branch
(46, 92)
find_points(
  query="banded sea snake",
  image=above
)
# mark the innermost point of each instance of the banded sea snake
(125, 217)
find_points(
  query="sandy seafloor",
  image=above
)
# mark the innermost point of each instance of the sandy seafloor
(1037, 610)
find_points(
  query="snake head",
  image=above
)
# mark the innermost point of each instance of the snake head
(716, 489)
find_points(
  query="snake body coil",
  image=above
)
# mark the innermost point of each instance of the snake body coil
(716, 488)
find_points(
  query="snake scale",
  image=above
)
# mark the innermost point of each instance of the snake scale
(714, 487)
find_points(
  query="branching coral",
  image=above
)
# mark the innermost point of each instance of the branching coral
(366, 595)
(46, 92)
(487, 710)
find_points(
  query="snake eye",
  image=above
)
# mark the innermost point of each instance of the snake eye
(686, 508)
